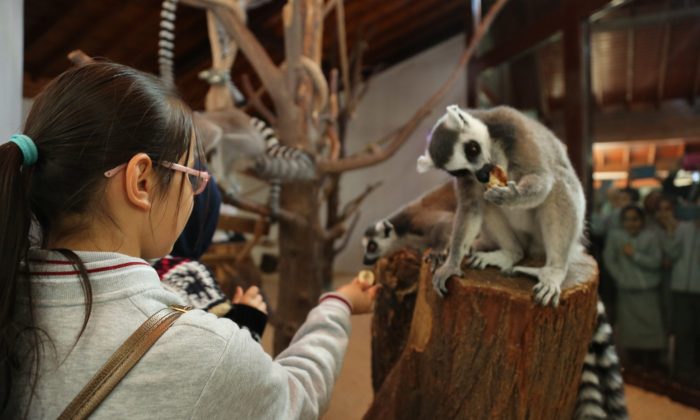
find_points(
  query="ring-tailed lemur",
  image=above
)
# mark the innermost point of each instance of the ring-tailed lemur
(166, 52)
(601, 393)
(423, 223)
(166, 42)
(539, 212)
(238, 141)
(280, 164)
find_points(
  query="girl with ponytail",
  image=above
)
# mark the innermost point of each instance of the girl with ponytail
(102, 179)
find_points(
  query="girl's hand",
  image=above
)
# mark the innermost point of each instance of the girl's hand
(251, 297)
(628, 250)
(360, 294)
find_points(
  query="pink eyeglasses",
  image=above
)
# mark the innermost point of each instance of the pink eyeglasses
(198, 179)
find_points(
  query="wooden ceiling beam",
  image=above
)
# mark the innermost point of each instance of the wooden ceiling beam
(65, 33)
(471, 22)
(524, 39)
(365, 18)
(543, 91)
(667, 16)
(140, 27)
(421, 22)
(600, 76)
(629, 68)
(576, 38)
(696, 82)
(663, 64)
(382, 21)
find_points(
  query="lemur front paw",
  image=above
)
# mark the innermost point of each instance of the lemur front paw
(436, 259)
(441, 276)
(548, 289)
(500, 259)
(501, 195)
(546, 293)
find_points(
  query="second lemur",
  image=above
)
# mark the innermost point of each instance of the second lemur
(423, 223)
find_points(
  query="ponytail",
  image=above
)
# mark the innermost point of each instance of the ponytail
(15, 220)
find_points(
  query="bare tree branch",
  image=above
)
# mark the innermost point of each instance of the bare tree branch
(348, 235)
(260, 209)
(350, 209)
(356, 95)
(365, 159)
(328, 7)
(332, 126)
(269, 74)
(333, 233)
(254, 100)
(79, 58)
(293, 39)
(353, 205)
(342, 46)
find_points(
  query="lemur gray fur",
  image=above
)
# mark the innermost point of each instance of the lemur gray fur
(423, 223)
(539, 212)
(234, 141)
(601, 392)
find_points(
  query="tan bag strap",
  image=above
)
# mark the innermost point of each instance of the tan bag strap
(121, 362)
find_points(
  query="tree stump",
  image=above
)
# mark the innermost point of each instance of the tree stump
(398, 274)
(487, 351)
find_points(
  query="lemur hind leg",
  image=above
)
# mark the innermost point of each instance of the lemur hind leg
(509, 250)
(559, 239)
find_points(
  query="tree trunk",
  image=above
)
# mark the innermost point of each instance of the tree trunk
(302, 257)
(487, 351)
(398, 274)
(300, 264)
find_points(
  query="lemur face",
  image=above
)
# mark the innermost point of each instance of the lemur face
(459, 144)
(377, 241)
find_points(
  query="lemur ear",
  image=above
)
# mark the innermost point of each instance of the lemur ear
(424, 164)
(454, 116)
(388, 227)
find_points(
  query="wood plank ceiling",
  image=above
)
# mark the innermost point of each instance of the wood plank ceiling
(644, 52)
(126, 31)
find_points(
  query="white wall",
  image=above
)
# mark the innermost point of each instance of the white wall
(393, 97)
(11, 51)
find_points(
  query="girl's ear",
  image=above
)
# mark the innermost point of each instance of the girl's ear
(139, 182)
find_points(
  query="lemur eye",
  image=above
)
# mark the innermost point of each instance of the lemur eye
(472, 150)
(371, 247)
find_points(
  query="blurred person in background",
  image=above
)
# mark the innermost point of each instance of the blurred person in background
(633, 257)
(682, 245)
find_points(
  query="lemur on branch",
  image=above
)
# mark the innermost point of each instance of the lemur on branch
(538, 212)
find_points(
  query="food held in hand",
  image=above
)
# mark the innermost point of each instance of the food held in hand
(367, 277)
(497, 177)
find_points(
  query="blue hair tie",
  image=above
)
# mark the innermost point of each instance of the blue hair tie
(28, 148)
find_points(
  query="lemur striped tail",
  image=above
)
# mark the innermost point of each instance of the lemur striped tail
(282, 162)
(166, 41)
(601, 392)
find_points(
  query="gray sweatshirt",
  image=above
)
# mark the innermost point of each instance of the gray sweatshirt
(641, 270)
(203, 367)
(683, 247)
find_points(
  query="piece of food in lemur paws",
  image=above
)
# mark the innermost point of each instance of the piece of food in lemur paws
(497, 177)
(366, 277)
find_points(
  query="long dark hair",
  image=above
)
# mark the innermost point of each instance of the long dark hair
(86, 121)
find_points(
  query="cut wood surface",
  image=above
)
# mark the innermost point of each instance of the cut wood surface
(486, 350)
(398, 274)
